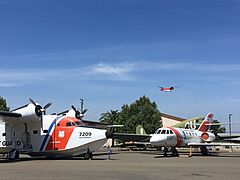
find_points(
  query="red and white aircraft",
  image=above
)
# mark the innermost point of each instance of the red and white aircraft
(166, 89)
(179, 137)
(29, 131)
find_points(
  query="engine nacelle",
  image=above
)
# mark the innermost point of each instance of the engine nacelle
(28, 111)
(71, 113)
(208, 137)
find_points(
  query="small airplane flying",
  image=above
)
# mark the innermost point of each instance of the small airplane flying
(166, 89)
(181, 137)
(29, 130)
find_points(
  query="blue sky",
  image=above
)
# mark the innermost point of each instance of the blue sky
(111, 52)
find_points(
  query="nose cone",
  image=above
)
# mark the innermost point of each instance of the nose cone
(109, 134)
(158, 140)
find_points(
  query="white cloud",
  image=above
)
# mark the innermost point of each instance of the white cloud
(16, 77)
(115, 69)
(123, 71)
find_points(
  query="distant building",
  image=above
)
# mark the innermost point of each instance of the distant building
(170, 120)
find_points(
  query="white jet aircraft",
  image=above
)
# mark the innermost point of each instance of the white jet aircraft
(29, 130)
(180, 137)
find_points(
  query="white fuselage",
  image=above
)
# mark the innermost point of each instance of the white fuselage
(179, 137)
(59, 136)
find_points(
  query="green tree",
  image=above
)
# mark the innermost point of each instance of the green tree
(3, 104)
(218, 128)
(141, 112)
(110, 117)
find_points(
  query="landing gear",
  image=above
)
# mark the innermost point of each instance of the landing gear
(165, 151)
(88, 156)
(190, 151)
(204, 151)
(13, 155)
(174, 152)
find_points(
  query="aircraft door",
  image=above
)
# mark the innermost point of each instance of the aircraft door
(171, 139)
(26, 138)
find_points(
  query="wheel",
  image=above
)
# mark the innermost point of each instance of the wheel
(175, 153)
(88, 156)
(165, 151)
(204, 151)
(13, 154)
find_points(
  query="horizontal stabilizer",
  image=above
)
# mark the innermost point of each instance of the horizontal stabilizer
(114, 126)
(213, 144)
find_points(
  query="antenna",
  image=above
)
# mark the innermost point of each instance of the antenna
(81, 105)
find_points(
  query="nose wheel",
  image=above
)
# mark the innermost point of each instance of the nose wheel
(173, 150)
(165, 151)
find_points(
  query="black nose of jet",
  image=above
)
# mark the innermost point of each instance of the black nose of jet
(109, 134)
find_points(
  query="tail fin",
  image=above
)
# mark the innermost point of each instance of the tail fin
(205, 124)
(140, 130)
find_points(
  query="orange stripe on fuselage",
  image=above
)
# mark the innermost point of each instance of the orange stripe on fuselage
(61, 135)
(179, 137)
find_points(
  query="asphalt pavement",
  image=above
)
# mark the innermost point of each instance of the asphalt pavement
(139, 165)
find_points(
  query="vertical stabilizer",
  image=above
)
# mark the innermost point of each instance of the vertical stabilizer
(204, 127)
(140, 130)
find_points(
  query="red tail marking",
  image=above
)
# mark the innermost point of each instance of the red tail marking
(203, 127)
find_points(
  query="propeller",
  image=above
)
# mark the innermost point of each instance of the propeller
(39, 110)
(79, 114)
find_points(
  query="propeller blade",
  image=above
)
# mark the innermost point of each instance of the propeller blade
(47, 105)
(84, 111)
(74, 108)
(32, 102)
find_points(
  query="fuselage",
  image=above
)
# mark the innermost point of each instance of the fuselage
(179, 137)
(59, 136)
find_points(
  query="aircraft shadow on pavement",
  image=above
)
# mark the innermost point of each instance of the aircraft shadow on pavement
(97, 156)
(211, 155)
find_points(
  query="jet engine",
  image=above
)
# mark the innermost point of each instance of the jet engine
(208, 137)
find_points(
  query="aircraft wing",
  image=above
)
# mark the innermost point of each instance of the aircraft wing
(213, 144)
(143, 143)
(132, 137)
(9, 116)
(227, 136)
(95, 124)
(100, 124)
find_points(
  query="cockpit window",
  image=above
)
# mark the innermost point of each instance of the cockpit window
(69, 124)
(158, 131)
(171, 132)
(163, 131)
(78, 123)
(167, 132)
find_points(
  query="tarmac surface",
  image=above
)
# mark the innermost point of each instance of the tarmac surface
(139, 165)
